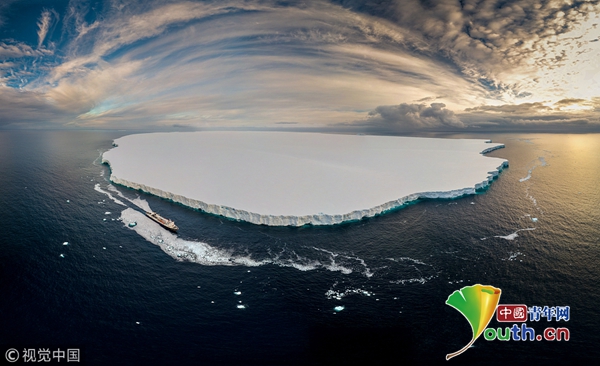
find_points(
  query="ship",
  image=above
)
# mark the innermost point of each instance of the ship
(166, 223)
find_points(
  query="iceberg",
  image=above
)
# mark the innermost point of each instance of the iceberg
(295, 179)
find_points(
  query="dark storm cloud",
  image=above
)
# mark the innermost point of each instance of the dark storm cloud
(563, 123)
(536, 117)
(414, 116)
(526, 117)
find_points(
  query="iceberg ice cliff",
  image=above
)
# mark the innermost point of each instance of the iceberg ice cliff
(294, 179)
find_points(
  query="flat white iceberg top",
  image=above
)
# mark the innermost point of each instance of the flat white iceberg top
(292, 178)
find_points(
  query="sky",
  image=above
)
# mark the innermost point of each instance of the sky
(400, 66)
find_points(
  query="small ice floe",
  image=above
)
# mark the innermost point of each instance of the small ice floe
(237, 292)
(132, 224)
(514, 256)
(337, 309)
(241, 306)
(512, 236)
(66, 243)
(62, 255)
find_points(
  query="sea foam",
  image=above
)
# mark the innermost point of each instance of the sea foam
(206, 254)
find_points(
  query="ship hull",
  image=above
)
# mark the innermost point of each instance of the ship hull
(167, 224)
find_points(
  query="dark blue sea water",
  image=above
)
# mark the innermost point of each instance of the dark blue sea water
(122, 299)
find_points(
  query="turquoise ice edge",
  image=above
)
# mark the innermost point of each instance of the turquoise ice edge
(233, 214)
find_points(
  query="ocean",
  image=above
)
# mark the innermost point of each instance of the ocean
(74, 275)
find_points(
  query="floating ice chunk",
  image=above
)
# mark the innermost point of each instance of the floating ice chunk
(543, 161)
(513, 256)
(512, 236)
(339, 308)
(241, 306)
(66, 243)
(526, 178)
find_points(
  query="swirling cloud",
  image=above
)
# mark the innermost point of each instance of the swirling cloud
(413, 65)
